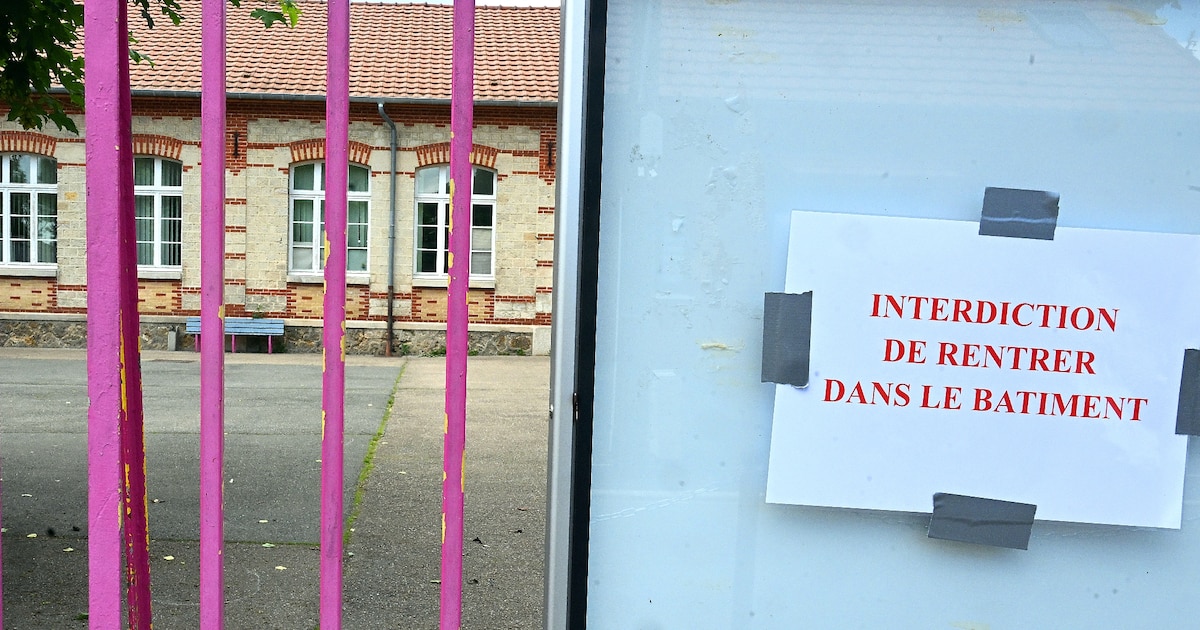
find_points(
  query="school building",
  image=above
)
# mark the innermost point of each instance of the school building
(274, 200)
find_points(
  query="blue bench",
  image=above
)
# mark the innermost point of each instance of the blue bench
(235, 326)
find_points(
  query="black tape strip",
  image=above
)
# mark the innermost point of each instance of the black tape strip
(1187, 416)
(787, 331)
(1019, 213)
(981, 521)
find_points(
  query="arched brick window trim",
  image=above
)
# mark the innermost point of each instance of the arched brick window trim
(312, 150)
(27, 142)
(439, 153)
(158, 146)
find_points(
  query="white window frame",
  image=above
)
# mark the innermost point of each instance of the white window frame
(312, 263)
(38, 220)
(483, 237)
(157, 193)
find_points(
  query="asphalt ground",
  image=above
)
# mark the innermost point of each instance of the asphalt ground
(393, 454)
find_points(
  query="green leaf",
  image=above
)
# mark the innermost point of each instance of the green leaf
(135, 56)
(38, 54)
(268, 18)
(291, 10)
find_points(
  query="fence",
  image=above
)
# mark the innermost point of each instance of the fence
(118, 561)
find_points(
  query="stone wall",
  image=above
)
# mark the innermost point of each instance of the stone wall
(15, 333)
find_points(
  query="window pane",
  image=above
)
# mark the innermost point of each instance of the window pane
(18, 169)
(19, 204)
(427, 213)
(485, 182)
(143, 171)
(302, 258)
(427, 180)
(427, 262)
(145, 233)
(47, 204)
(302, 233)
(356, 236)
(427, 238)
(143, 206)
(302, 210)
(356, 260)
(47, 251)
(481, 239)
(360, 179)
(357, 212)
(303, 177)
(47, 229)
(19, 227)
(172, 207)
(172, 173)
(171, 254)
(172, 249)
(172, 231)
(145, 253)
(481, 263)
(481, 215)
(47, 171)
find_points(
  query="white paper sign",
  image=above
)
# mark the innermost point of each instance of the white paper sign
(1043, 372)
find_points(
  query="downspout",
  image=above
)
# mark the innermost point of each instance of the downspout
(391, 283)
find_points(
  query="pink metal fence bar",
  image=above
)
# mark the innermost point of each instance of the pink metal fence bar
(112, 321)
(337, 171)
(454, 447)
(133, 434)
(212, 316)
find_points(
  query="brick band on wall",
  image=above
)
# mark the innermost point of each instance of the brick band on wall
(160, 146)
(27, 142)
(439, 153)
(314, 149)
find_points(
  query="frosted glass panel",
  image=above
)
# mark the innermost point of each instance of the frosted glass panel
(720, 118)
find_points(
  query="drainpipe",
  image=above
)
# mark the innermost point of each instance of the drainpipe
(391, 283)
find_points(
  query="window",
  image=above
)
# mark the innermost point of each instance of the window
(306, 252)
(29, 187)
(433, 208)
(158, 206)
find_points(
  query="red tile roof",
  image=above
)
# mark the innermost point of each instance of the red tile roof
(397, 51)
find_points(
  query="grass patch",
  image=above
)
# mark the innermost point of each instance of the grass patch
(360, 488)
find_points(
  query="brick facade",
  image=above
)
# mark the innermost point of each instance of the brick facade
(263, 140)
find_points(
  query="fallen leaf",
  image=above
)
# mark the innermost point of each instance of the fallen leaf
(27, 495)
(268, 545)
(31, 535)
(68, 550)
(168, 557)
(281, 568)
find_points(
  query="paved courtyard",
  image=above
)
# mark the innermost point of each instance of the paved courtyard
(273, 410)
